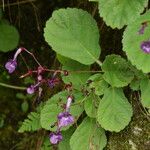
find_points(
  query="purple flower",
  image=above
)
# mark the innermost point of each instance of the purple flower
(52, 82)
(55, 138)
(65, 119)
(31, 89)
(145, 46)
(11, 65)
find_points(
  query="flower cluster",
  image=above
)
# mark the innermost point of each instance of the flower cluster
(64, 119)
(11, 66)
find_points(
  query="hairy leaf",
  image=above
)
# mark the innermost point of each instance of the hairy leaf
(98, 84)
(88, 136)
(117, 13)
(74, 33)
(117, 71)
(145, 92)
(114, 112)
(132, 43)
(91, 103)
(54, 106)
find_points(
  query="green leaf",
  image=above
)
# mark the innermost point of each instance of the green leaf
(145, 92)
(98, 84)
(114, 112)
(132, 43)
(32, 123)
(46, 144)
(117, 13)
(117, 71)
(25, 106)
(91, 103)
(65, 143)
(135, 84)
(88, 136)
(20, 96)
(78, 79)
(74, 33)
(54, 106)
(9, 37)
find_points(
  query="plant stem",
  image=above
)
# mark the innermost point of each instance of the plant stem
(99, 63)
(15, 3)
(12, 86)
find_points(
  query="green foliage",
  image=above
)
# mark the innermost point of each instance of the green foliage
(9, 37)
(145, 92)
(25, 106)
(69, 32)
(91, 103)
(76, 78)
(88, 136)
(117, 71)
(46, 144)
(32, 123)
(132, 43)
(98, 84)
(114, 112)
(20, 96)
(117, 13)
(65, 144)
(135, 84)
(54, 106)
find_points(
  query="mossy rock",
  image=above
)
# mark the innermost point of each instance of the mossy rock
(134, 137)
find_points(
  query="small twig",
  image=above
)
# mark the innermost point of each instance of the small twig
(32, 56)
(16, 3)
(94, 11)
(12, 86)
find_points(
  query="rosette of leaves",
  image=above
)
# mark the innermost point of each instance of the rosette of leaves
(73, 33)
(132, 41)
(117, 13)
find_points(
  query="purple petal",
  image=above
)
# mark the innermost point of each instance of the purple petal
(65, 119)
(55, 138)
(11, 65)
(145, 46)
(31, 89)
(51, 83)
